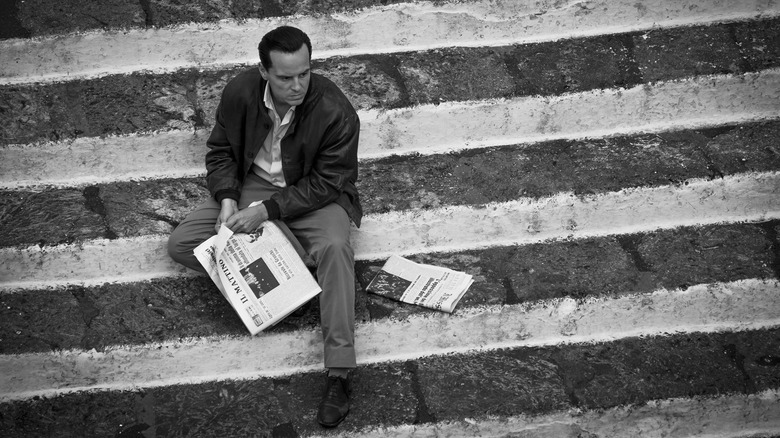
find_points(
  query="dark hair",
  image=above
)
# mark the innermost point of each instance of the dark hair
(286, 39)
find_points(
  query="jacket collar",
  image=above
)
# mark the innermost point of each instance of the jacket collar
(313, 95)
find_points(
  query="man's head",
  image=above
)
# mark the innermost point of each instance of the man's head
(285, 62)
(285, 39)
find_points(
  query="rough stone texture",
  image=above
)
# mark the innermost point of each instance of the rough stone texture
(757, 356)
(578, 269)
(51, 17)
(632, 371)
(490, 384)
(49, 218)
(522, 381)
(169, 12)
(43, 321)
(470, 177)
(382, 395)
(10, 26)
(169, 309)
(222, 409)
(363, 81)
(155, 310)
(119, 104)
(286, 406)
(32, 113)
(172, 12)
(675, 53)
(136, 313)
(96, 317)
(536, 170)
(681, 257)
(147, 208)
(455, 74)
(573, 65)
(65, 16)
(208, 91)
(759, 43)
(752, 148)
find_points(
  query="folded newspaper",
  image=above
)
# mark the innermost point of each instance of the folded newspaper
(261, 274)
(430, 286)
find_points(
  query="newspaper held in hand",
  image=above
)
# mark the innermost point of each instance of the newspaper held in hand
(260, 274)
(435, 287)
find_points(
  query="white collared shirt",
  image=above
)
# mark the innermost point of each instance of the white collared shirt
(268, 163)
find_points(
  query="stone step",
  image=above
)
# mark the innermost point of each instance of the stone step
(80, 113)
(186, 98)
(469, 177)
(746, 197)
(172, 308)
(374, 29)
(610, 178)
(670, 385)
(695, 103)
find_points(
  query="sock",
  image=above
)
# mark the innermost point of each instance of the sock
(338, 372)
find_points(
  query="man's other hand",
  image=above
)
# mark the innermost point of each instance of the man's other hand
(248, 219)
(229, 208)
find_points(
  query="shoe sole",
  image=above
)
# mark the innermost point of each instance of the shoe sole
(331, 424)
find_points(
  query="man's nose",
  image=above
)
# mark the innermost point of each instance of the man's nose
(296, 85)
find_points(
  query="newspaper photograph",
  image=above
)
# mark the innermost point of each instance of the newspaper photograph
(429, 286)
(260, 274)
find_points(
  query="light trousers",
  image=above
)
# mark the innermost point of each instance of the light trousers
(323, 234)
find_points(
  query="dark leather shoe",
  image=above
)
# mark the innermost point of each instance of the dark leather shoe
(334, 406)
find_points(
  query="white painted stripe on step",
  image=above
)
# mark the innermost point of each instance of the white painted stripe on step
(741, 305)
(690, 103)
(739, 198)
(384, 29)
(723, 416)
(744, 197)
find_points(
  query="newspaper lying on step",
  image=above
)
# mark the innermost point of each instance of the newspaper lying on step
(261, 274)
(430, 286)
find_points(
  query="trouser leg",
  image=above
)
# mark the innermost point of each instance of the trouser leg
(325, 236)
(198, 226)
(195, 229)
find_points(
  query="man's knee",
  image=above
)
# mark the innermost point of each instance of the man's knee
(336, 246)
(181, 249)
(175, 248)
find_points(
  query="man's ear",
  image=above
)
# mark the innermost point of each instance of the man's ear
(263, 71)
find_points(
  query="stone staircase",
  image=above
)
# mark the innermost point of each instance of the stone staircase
(608, 171)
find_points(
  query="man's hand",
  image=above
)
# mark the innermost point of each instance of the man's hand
(247, 220)
(229, 208)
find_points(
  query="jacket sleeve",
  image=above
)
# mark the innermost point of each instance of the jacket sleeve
(335, 166)
(222, 167)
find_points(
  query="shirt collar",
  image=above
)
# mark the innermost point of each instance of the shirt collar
(269, 102)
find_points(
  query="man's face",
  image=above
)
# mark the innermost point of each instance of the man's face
(288, 77)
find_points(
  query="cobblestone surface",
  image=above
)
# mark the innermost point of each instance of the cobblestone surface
(169, 309)
(506, 382)
(124, 104)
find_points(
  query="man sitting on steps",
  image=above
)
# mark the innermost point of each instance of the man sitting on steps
(289, 138)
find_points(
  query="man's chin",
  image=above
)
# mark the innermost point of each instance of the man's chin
(295, 102)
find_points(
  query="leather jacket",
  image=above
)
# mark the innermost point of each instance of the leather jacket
(319, 150)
